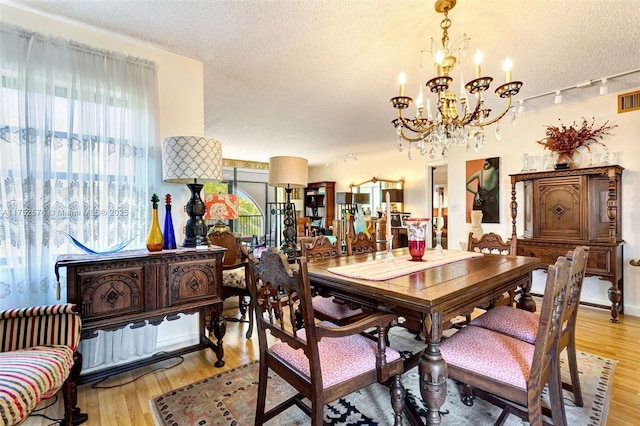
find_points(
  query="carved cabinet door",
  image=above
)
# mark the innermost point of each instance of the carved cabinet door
(563, 213)
(111, 291)
(191, 280)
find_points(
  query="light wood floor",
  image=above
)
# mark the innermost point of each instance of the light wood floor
(128, 404)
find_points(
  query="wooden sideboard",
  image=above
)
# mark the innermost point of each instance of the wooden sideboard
(136, 287)
(571, 207)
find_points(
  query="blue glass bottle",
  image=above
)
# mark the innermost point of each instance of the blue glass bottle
(169, 235)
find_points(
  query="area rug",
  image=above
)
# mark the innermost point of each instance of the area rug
(229, 398)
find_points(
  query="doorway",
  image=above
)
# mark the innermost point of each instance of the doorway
(437, 178)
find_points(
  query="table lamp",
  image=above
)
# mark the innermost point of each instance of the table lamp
(221, 207)
(288, 173)
(192, 160)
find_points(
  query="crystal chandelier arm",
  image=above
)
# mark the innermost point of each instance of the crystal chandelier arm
(496, 118)
(416, 125)
(406, 124)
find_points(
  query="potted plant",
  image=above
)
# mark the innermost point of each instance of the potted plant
(565, 140)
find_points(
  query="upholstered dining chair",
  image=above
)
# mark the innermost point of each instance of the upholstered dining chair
(329, 308)
(523, 324)
(38, 357)
(509, 372)
(322, 361)
(235, 272)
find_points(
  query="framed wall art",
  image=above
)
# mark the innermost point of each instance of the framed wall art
(483, 189)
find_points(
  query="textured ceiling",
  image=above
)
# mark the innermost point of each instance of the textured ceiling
(314, 78)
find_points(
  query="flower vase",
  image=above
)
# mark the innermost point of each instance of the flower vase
(568, 160)
(169, 234)
(476, 227)
(417, 233)
(155, 241)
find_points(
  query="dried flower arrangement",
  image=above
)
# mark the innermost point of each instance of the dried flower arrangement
(566, 140)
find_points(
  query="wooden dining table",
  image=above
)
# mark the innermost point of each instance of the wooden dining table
(429, 299)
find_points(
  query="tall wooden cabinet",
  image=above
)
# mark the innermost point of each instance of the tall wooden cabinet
(566, 208)
(319, 204)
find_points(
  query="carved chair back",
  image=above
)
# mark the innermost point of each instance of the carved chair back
(360, 242)
(329, 308)
(320, 248)
(236, 255)
(492, 243)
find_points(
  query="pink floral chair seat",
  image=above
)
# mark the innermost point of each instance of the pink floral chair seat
(489, 353)
(355, 351)
(329, 307)
(517, 323)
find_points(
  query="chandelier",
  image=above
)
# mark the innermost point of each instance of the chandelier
(452, 125)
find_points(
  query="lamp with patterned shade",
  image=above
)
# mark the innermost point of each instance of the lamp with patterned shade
(192, 160)
(288, 173)
(221, 207)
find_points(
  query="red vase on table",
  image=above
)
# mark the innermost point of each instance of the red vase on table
(417, 233)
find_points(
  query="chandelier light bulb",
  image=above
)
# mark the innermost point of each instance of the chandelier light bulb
(420, 100)
(477, 58)
(439, 59)
(402, 78)
(506, 66)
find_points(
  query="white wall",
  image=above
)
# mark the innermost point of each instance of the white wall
(517, 140)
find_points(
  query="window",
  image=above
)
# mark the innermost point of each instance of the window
(76, 127)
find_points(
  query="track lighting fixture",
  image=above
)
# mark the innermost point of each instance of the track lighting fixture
(558, 98)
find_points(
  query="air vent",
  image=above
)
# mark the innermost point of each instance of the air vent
(629, 102)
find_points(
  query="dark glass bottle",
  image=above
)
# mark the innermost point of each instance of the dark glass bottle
(169, 235)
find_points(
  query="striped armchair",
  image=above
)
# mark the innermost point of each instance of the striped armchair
(38, 357)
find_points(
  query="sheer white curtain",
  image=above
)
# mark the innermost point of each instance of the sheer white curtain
(77, 126)
(77, 130)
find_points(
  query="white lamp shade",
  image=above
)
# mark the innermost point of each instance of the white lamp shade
(185, 158)
(291, 172)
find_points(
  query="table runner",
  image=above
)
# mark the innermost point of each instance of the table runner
(381, 269)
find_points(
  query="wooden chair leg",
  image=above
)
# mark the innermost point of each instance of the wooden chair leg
(242, 304)
(573, 369)
(262, 392)
(467, 395)
(252, 312)
(317, 414)
(72, 414)
(398, 395)
(555, 395)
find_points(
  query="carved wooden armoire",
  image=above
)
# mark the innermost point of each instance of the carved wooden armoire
(571, 207)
